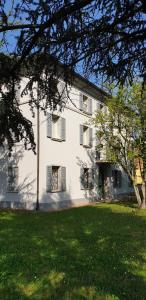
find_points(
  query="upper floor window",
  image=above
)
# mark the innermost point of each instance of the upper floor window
(56, 127)
(85, 136)
(99, 152)
(12, 179)
(85, 104)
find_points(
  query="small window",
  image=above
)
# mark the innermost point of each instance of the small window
(117, 178)
(85, 136)
(55, 177)
(97, 154)
(85, 104)
(12, 179)
(55, 127)
(87, 180)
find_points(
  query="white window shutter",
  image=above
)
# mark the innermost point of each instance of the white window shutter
(49, 125)
(97, 106)
(91, 178)
(90, 106)
(82, 184)
(81, 134)
(63, 129)
(61, 90)
(90, 137)
(49, 179)
(63, 178)
(81, 101)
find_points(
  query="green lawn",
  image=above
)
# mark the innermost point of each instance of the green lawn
(95, 252)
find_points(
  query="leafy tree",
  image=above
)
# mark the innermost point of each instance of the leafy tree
(121, 127)
(106, 36)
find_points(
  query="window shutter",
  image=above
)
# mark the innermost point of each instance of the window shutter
(97, 152)
(16, 176)
(91, 178)
(61, 90)
(49, 125)
(119, 179)
(63, 129)
(49, 179)
(81, 101)
(90, 137)
(90, 106)
(63, 178)
(81, 134)
(12, 178)
(82, 184)
(97, 106)
(114, 178)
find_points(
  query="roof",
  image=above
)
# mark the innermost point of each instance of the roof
(88, 87)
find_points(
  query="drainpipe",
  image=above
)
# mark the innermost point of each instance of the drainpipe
(38, 156)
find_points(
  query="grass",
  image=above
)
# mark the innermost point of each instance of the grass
(95, 252)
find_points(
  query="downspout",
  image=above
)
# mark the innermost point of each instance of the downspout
(38, 157)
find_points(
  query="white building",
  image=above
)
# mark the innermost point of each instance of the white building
(67, 169)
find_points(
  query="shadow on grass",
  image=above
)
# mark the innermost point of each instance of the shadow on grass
(95, 252)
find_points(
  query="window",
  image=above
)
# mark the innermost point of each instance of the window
(55, 173)
(85, 104)
(87, 178)
(117, 178)
(12, 179)
(97, 154)
(56, 127)
(85, 136)
(56, 179)
(102, 107)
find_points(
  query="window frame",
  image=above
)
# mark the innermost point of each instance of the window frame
(53, 190)
(60, 125)
(61, 178)
(12, 167)
(90, 178)
(117, 178)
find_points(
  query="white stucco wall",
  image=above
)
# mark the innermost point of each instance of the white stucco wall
(68, 153)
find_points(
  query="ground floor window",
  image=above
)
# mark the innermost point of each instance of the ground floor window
(12, 185)
(56, 179)
(87, 178)
(117, 178)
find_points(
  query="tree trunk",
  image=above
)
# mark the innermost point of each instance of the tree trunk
(140, 195)
(137, 194)
(143, 204)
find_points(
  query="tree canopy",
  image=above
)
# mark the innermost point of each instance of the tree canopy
(121, 129)
(106, 37)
